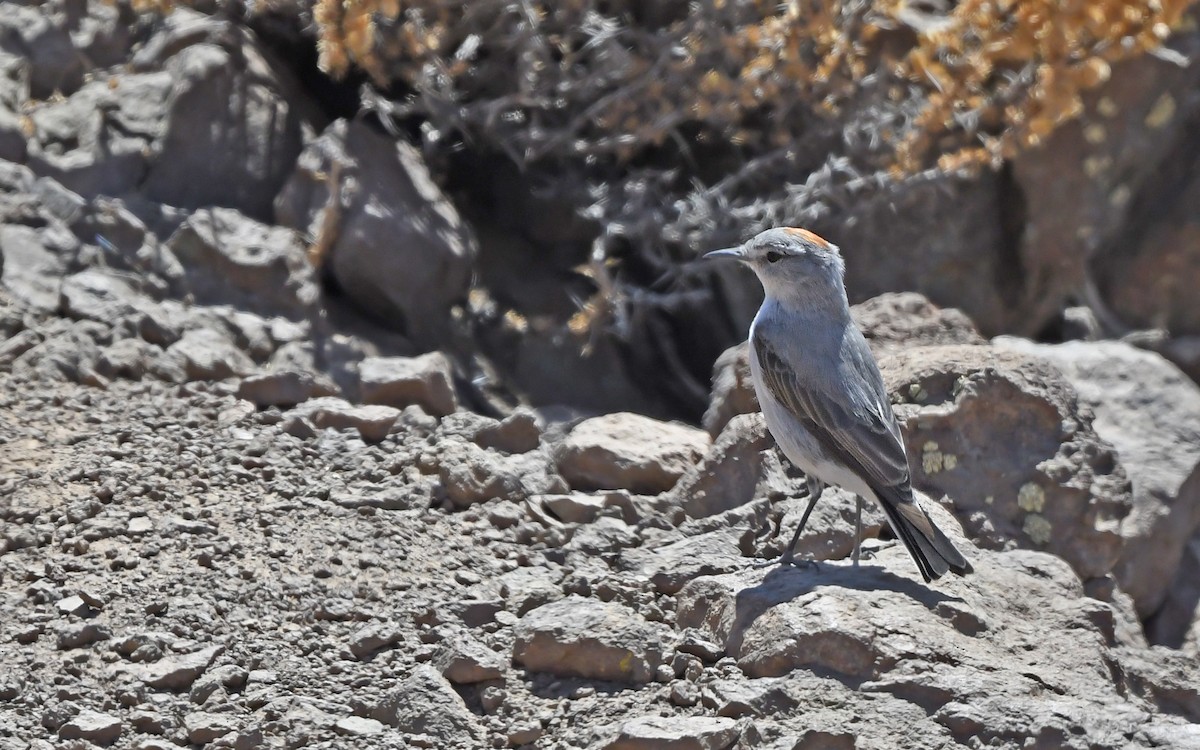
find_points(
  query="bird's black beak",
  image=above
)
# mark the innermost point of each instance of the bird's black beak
(737, 253)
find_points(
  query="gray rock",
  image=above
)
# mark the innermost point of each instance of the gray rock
(1005, 436)
(128, 358)
(577, 637)
(470, 474)
(284, 388)
(670, 566)
(206, 354)
(235, 123)
(1150, 412)
(98, 295)
(358, 726)
(741, 465)
(54, 65)
(519, 432)
(93, 726)
(629, 451)
(524, 589)
(732, 389)
(463, 660)
(425, 703)
(676, 733)
(426, 381)
(204, 727)
(372, 422)
(34, 263)
(394, 242)
(367, 640)
(175, 671)
(575, 507)
(12, 140)
(231, 259)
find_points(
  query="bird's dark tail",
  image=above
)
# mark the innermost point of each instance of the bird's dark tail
(932, 551)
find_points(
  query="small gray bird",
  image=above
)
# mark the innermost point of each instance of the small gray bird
(822, 395)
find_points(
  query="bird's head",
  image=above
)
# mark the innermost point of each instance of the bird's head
(790, 262)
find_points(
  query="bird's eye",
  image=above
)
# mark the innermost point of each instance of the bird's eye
(774, 257)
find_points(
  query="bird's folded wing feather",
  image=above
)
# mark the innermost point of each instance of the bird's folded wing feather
(853, 424)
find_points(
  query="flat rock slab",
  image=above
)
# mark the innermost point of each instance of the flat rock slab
(174, 671)
(629, 451)
(100, 728)
(676, 733)
(578, 637)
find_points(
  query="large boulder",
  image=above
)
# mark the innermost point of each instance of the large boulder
(1014, 654)
(389, 237)
(629, 451)
(231, 259)
(1150, 412)
(1006, 437)
(235, 121)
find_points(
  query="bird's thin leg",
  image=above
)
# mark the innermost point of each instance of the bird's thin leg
(857, 529)
(815, 488)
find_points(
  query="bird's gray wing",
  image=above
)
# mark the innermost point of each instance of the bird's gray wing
(852, 422)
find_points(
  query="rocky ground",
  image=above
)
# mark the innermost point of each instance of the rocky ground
(276, 471)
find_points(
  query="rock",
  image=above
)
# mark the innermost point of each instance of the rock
(12, 140)
(95, 156)
(732, 389)
(973, 637)
(951, 247)
(33, 34)
(1150, 412)
(1176, 624)
(93, 726)
(1005, 436)
(577, 637)
(80, 634)
(575, 507)
(128, 358)
(366, 641)
(463, 660)
(519, 432)
(372, 422)
(741, 465)
(628, 451)
(910, 319)
(34, 263)
(672, 565)
(207, 354)
(676, 733)
(394, 242)
(17, 345)
(229, 259)
(426, 381)
(284, 388)
(67, 352)
(176, 671)
(1110, 195)
(358, 726)
(204, 727)
(470, 474)
(98, 295)
(234, 126)
(425, 703)
(524, 589)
